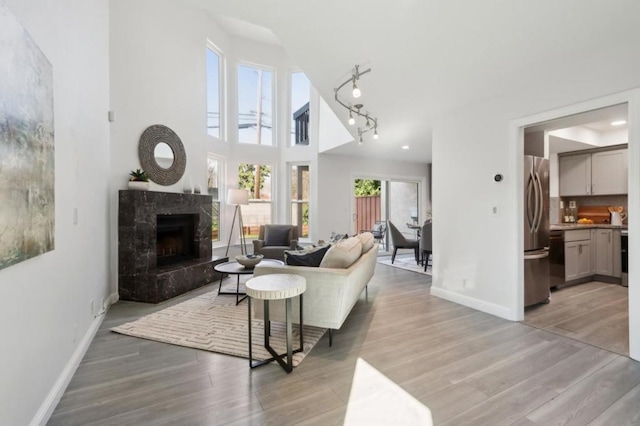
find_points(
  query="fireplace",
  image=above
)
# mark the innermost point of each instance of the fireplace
(164, 244)
(175, 241)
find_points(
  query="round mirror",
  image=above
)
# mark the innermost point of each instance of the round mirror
(163, 155)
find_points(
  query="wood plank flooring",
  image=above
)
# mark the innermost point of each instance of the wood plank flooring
(595, 313)
(467, 366)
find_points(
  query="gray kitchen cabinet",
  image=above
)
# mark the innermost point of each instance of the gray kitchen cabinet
(575, 175)
(597, 173)
(604, 250)
(617, 254)
(609, 172)
(577, 259)
(594, 250)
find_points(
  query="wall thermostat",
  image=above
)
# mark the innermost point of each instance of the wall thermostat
(498, 177)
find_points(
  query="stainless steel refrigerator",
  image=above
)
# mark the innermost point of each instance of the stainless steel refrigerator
(536, 230)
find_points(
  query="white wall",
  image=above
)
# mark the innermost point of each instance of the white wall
(477, 259)
(45, 303)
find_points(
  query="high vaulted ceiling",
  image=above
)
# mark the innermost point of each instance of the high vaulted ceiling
(429, 57)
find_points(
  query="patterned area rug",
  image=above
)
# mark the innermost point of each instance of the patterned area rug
(214, 323)
(408, 263)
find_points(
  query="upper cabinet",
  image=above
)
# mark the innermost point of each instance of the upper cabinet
(598, 173)
(609, 172)
(575, 175)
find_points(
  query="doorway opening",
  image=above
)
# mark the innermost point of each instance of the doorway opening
(585, 270)
(379, 201)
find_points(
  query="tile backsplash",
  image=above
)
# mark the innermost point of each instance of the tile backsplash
(591, 200)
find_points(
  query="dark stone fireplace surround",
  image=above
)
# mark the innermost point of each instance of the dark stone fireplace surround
(140, 278)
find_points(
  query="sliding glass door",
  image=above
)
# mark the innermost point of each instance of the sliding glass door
(382, 200)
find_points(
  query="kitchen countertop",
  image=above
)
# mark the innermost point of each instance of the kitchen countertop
(572, 226)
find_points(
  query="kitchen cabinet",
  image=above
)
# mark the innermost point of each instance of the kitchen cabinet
(609, 172)
(577, 254)
(617, 253)
(598, 173)
(594, 251)
(604, 252)
(575, 175)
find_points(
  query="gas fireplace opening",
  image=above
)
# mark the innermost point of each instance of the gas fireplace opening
(175, 238)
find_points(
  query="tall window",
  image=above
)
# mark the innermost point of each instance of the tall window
(213, 92)
(300, 92)
(215, 166)
(255, 105)
(255, 178)
(300, 199)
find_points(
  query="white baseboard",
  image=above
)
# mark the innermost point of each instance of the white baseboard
(477, 304)
(53, 398)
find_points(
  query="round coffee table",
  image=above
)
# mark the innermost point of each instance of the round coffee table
(277, 287)
(234, 268)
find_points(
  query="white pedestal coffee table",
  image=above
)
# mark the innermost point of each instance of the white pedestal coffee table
(276, 287)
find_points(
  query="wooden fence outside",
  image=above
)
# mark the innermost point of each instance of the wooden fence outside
(367, 212)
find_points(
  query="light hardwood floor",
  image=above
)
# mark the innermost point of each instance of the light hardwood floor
(595, 313)
(468, 367)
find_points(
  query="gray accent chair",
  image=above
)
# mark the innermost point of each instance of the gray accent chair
(425, 243)
(399, 241)
(274, 240)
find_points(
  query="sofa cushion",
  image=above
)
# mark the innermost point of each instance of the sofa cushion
(366, 238)
(342, 254)
(309, 257)
(277, 235)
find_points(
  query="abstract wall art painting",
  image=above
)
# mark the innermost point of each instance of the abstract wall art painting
(27, 209)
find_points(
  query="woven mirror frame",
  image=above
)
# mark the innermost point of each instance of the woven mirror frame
(150, 138)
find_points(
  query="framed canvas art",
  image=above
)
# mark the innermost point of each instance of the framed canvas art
(27, 209)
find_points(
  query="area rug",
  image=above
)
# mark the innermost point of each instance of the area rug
(408, 263)
(214, 323)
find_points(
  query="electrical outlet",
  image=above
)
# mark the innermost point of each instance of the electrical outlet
(102, 307)
(464, 283)
(92, 307)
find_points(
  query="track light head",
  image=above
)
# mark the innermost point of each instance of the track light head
(356, 90)
(352, 120)
(375, 133)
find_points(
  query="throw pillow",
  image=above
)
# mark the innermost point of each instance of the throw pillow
(343, 254)
(366, 238)
(276, 236)
(311, 257)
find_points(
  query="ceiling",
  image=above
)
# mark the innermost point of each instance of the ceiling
(429, 57)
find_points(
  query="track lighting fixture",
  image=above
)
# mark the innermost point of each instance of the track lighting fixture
(356, 91)
(355, 110)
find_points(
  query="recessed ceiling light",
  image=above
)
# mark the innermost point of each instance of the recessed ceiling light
(405, 146)
(618, 122)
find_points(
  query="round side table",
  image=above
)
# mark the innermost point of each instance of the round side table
(276, 287)
(234, 268)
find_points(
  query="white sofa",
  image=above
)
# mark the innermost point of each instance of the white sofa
(331, 292)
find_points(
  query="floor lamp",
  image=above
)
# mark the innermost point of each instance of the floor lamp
(237, 197)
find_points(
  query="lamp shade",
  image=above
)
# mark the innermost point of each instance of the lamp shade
(237, 196)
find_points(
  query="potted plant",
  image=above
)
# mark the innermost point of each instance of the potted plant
(138, 180)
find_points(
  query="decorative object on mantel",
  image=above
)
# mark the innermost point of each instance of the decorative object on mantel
(139, 180)
(371, 123)
(187, 187)
(236, 197)
(162, 155)
(27, 190)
